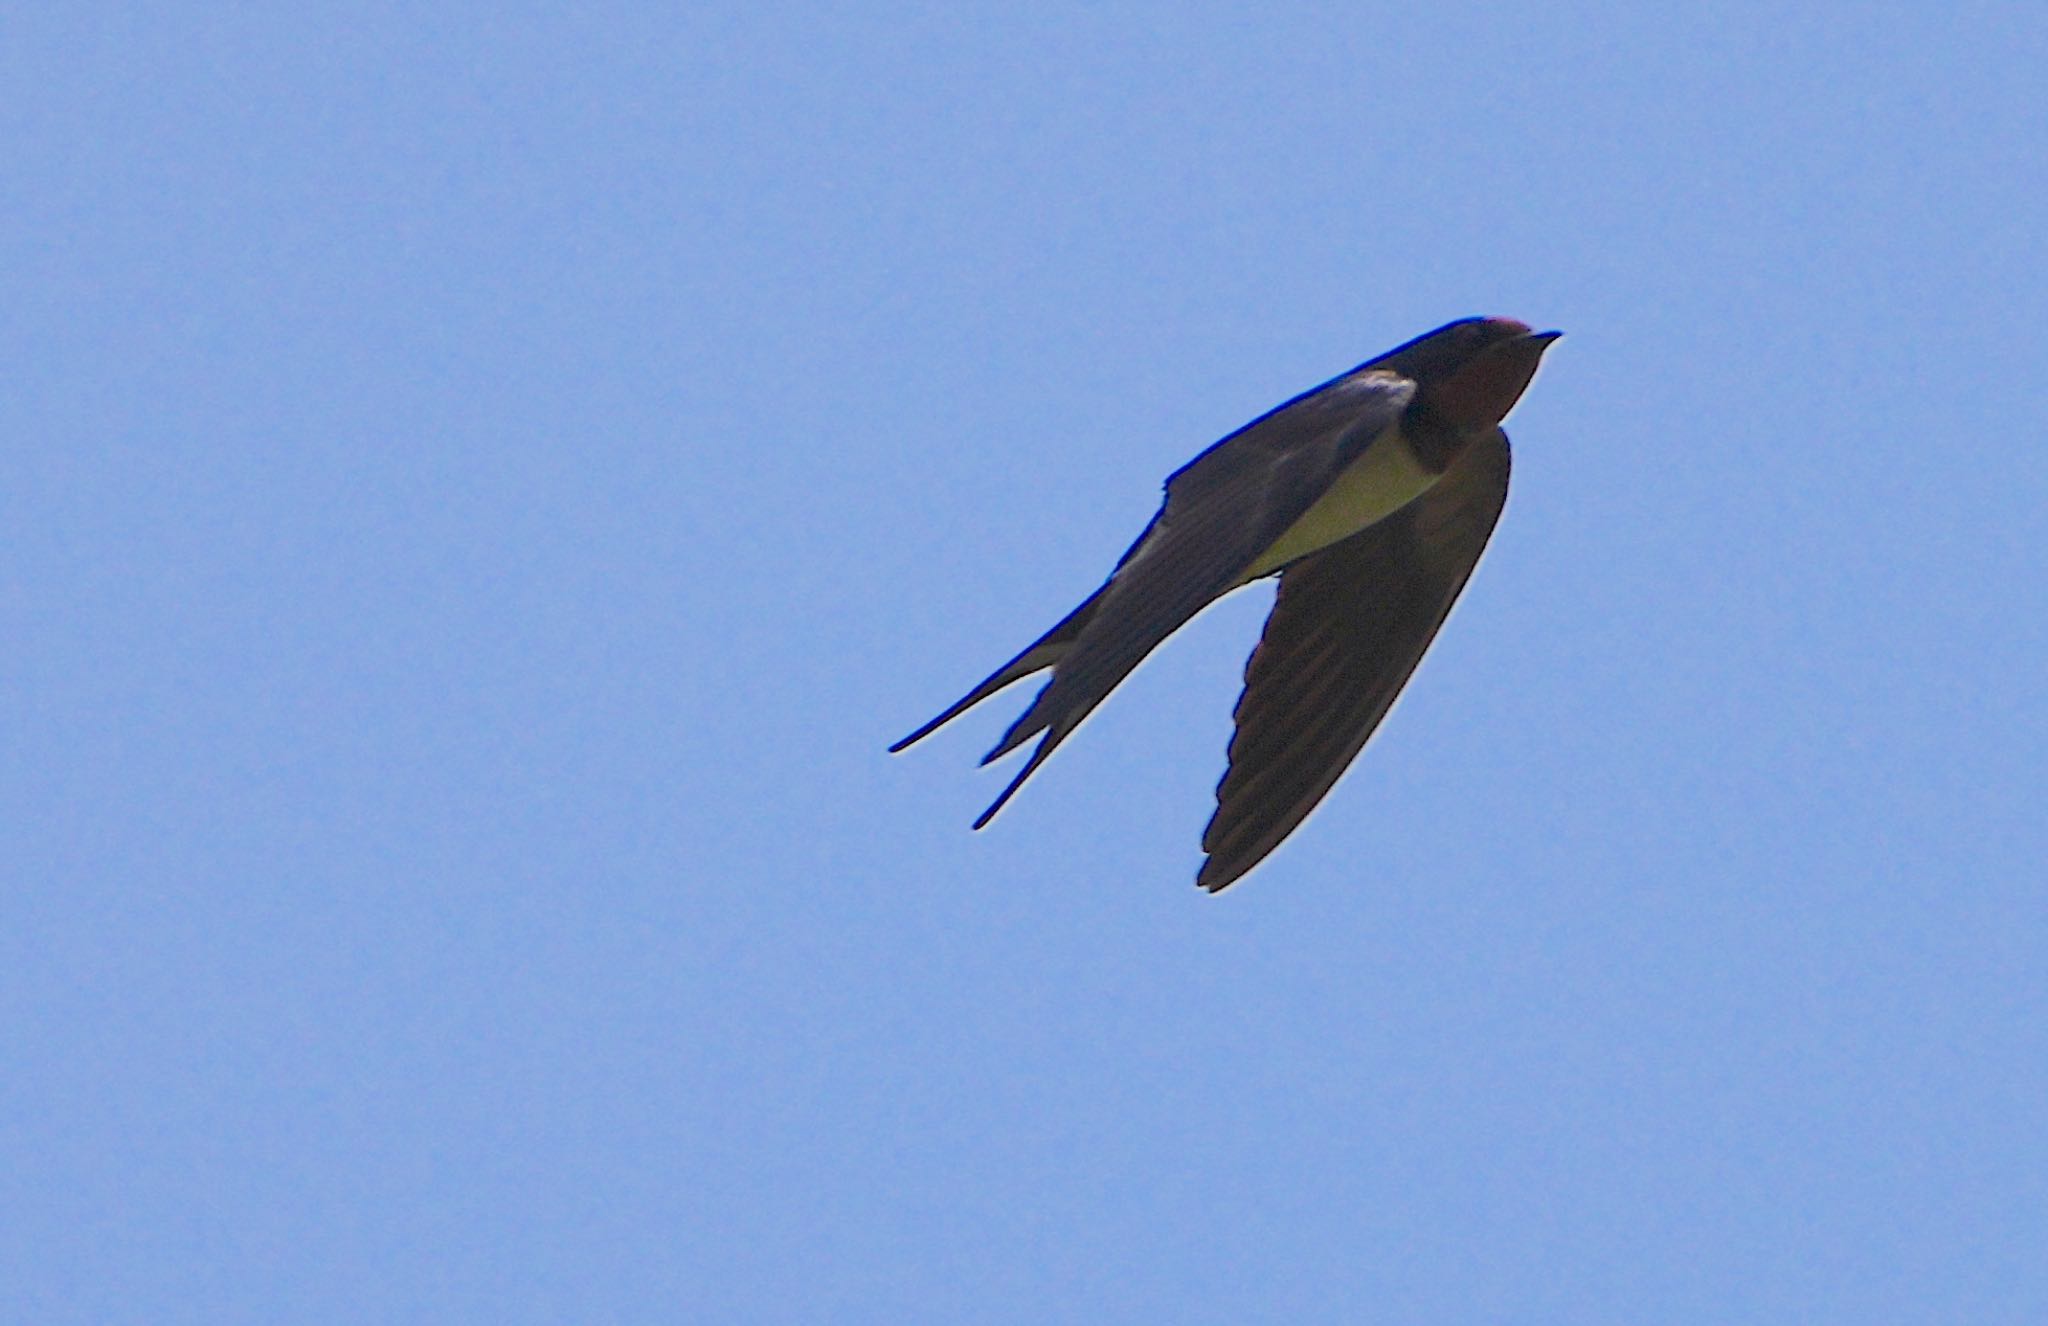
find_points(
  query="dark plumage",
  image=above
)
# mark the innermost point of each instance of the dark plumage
(1372, 497)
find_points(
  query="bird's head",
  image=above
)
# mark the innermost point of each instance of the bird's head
(1471, 372)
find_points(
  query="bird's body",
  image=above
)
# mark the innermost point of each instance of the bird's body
(1385, 478)
(1372, 496)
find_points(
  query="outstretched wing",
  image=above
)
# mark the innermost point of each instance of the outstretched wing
(1223, 510)
(1347, 630)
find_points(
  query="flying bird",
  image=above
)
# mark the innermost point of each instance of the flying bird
(1371, 497)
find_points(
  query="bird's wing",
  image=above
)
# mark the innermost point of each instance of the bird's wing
(1222, 510)
(1348, 628)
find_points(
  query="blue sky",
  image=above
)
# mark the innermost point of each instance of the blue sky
(484, 484)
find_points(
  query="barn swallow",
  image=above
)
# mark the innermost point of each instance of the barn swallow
(1371, 497)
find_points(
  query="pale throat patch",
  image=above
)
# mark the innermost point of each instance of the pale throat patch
(1380, 482)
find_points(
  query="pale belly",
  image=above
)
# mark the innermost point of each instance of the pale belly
(1382, 481)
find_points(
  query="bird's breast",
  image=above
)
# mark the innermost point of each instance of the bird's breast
(1386, 477)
